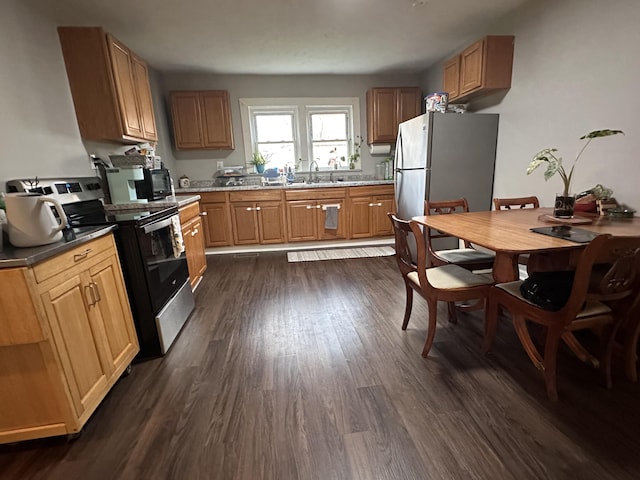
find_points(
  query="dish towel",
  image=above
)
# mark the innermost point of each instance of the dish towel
(331, 218)
(177, 242)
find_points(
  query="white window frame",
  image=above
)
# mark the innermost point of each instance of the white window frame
(301, 108)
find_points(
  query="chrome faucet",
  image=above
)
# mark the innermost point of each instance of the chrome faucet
(311, 163)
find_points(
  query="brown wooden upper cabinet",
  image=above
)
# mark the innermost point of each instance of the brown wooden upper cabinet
(387, 107)
(483, 67)
(109, 85)
(202, 120)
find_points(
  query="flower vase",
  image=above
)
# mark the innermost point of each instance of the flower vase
(260, 168)
(352, 165)
(564, 205)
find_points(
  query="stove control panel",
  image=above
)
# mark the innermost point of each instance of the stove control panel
(65, 190)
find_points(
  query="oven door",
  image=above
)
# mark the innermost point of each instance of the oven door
(165, 269)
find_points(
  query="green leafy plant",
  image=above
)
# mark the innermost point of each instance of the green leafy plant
(355, 154)
(554, 162)
(259, 158)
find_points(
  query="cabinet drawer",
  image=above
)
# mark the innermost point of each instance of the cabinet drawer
(189, 211)
(255, 196)
(315, 193)
(212, 197)
(371, 190)
(72, 258)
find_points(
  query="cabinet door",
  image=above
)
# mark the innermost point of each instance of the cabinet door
(341, 231)
(216, 119)
(361, 221)
(471, 67)
(114, 324)
(194, 248)
(143, 91)
(125, 88)
(185, 114)
(244, 223)
(409, 106)
(217, 225)
(451, 77)
(271, 222)
(382, 123)
(301, 220)
(380, 206)
(67, 306)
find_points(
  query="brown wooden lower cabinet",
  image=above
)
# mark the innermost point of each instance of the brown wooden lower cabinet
(67, 335)
(216, 219)
(193, 235)
(368, 212)
(257, 217)
(270, 216)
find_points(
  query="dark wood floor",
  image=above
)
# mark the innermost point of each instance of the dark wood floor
(301, 371)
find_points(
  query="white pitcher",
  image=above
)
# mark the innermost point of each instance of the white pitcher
(30, 219)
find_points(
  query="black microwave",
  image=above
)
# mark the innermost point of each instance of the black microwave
(156, 184)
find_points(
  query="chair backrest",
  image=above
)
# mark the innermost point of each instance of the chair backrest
(608, 270)
(444, 207)
(402, 233)
(520, 202)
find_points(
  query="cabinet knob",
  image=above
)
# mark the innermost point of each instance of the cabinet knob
(203, 214)
(258, 208)
(194, 232)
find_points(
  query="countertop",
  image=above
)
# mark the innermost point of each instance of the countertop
(11, 256)
(170, 201)
(208, 186)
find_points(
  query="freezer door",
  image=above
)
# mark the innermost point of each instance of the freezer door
(411, 147)
(410, 192)
(462, 154)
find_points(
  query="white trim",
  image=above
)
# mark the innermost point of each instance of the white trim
(301, 106)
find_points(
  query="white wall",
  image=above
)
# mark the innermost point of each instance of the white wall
(576, 69)
(201, 164)
(38, 128)
(38, 131)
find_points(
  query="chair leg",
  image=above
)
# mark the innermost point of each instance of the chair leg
(631, 355)
(453, 317)
(608, 340)
(490, 324)
(579, 351)
(520, 325)
(431, 328)
(550, 364)
(408, 306)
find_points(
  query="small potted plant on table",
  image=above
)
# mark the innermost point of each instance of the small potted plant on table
(565, 201)
(259, 161)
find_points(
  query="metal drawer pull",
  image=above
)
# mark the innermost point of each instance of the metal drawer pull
(88, 293)
(203, 214)
(336, 205)
(249, 209)
(81, 256)
(375, 204)
(96, 290)
(258, 208)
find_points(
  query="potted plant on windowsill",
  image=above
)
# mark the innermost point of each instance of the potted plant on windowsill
(355, 154)
(565, 201)
(259, 161)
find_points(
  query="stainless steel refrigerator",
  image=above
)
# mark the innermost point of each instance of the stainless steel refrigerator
(444, 156)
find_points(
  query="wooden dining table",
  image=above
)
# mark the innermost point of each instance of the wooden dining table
(508, 234)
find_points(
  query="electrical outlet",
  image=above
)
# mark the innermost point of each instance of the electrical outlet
(220, 165)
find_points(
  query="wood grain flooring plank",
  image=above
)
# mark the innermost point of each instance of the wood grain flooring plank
(301, 371)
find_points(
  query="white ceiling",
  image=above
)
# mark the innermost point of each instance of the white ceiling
(286, 36)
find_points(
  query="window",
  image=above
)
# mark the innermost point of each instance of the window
(301, 132)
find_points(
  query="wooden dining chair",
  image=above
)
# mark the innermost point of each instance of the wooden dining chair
(448, 283)
(520, 202)
(467, 257)
(606, 280)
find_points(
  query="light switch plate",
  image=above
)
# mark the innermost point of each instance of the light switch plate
(220, 165)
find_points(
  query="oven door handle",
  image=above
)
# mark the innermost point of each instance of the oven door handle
(157, 225)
